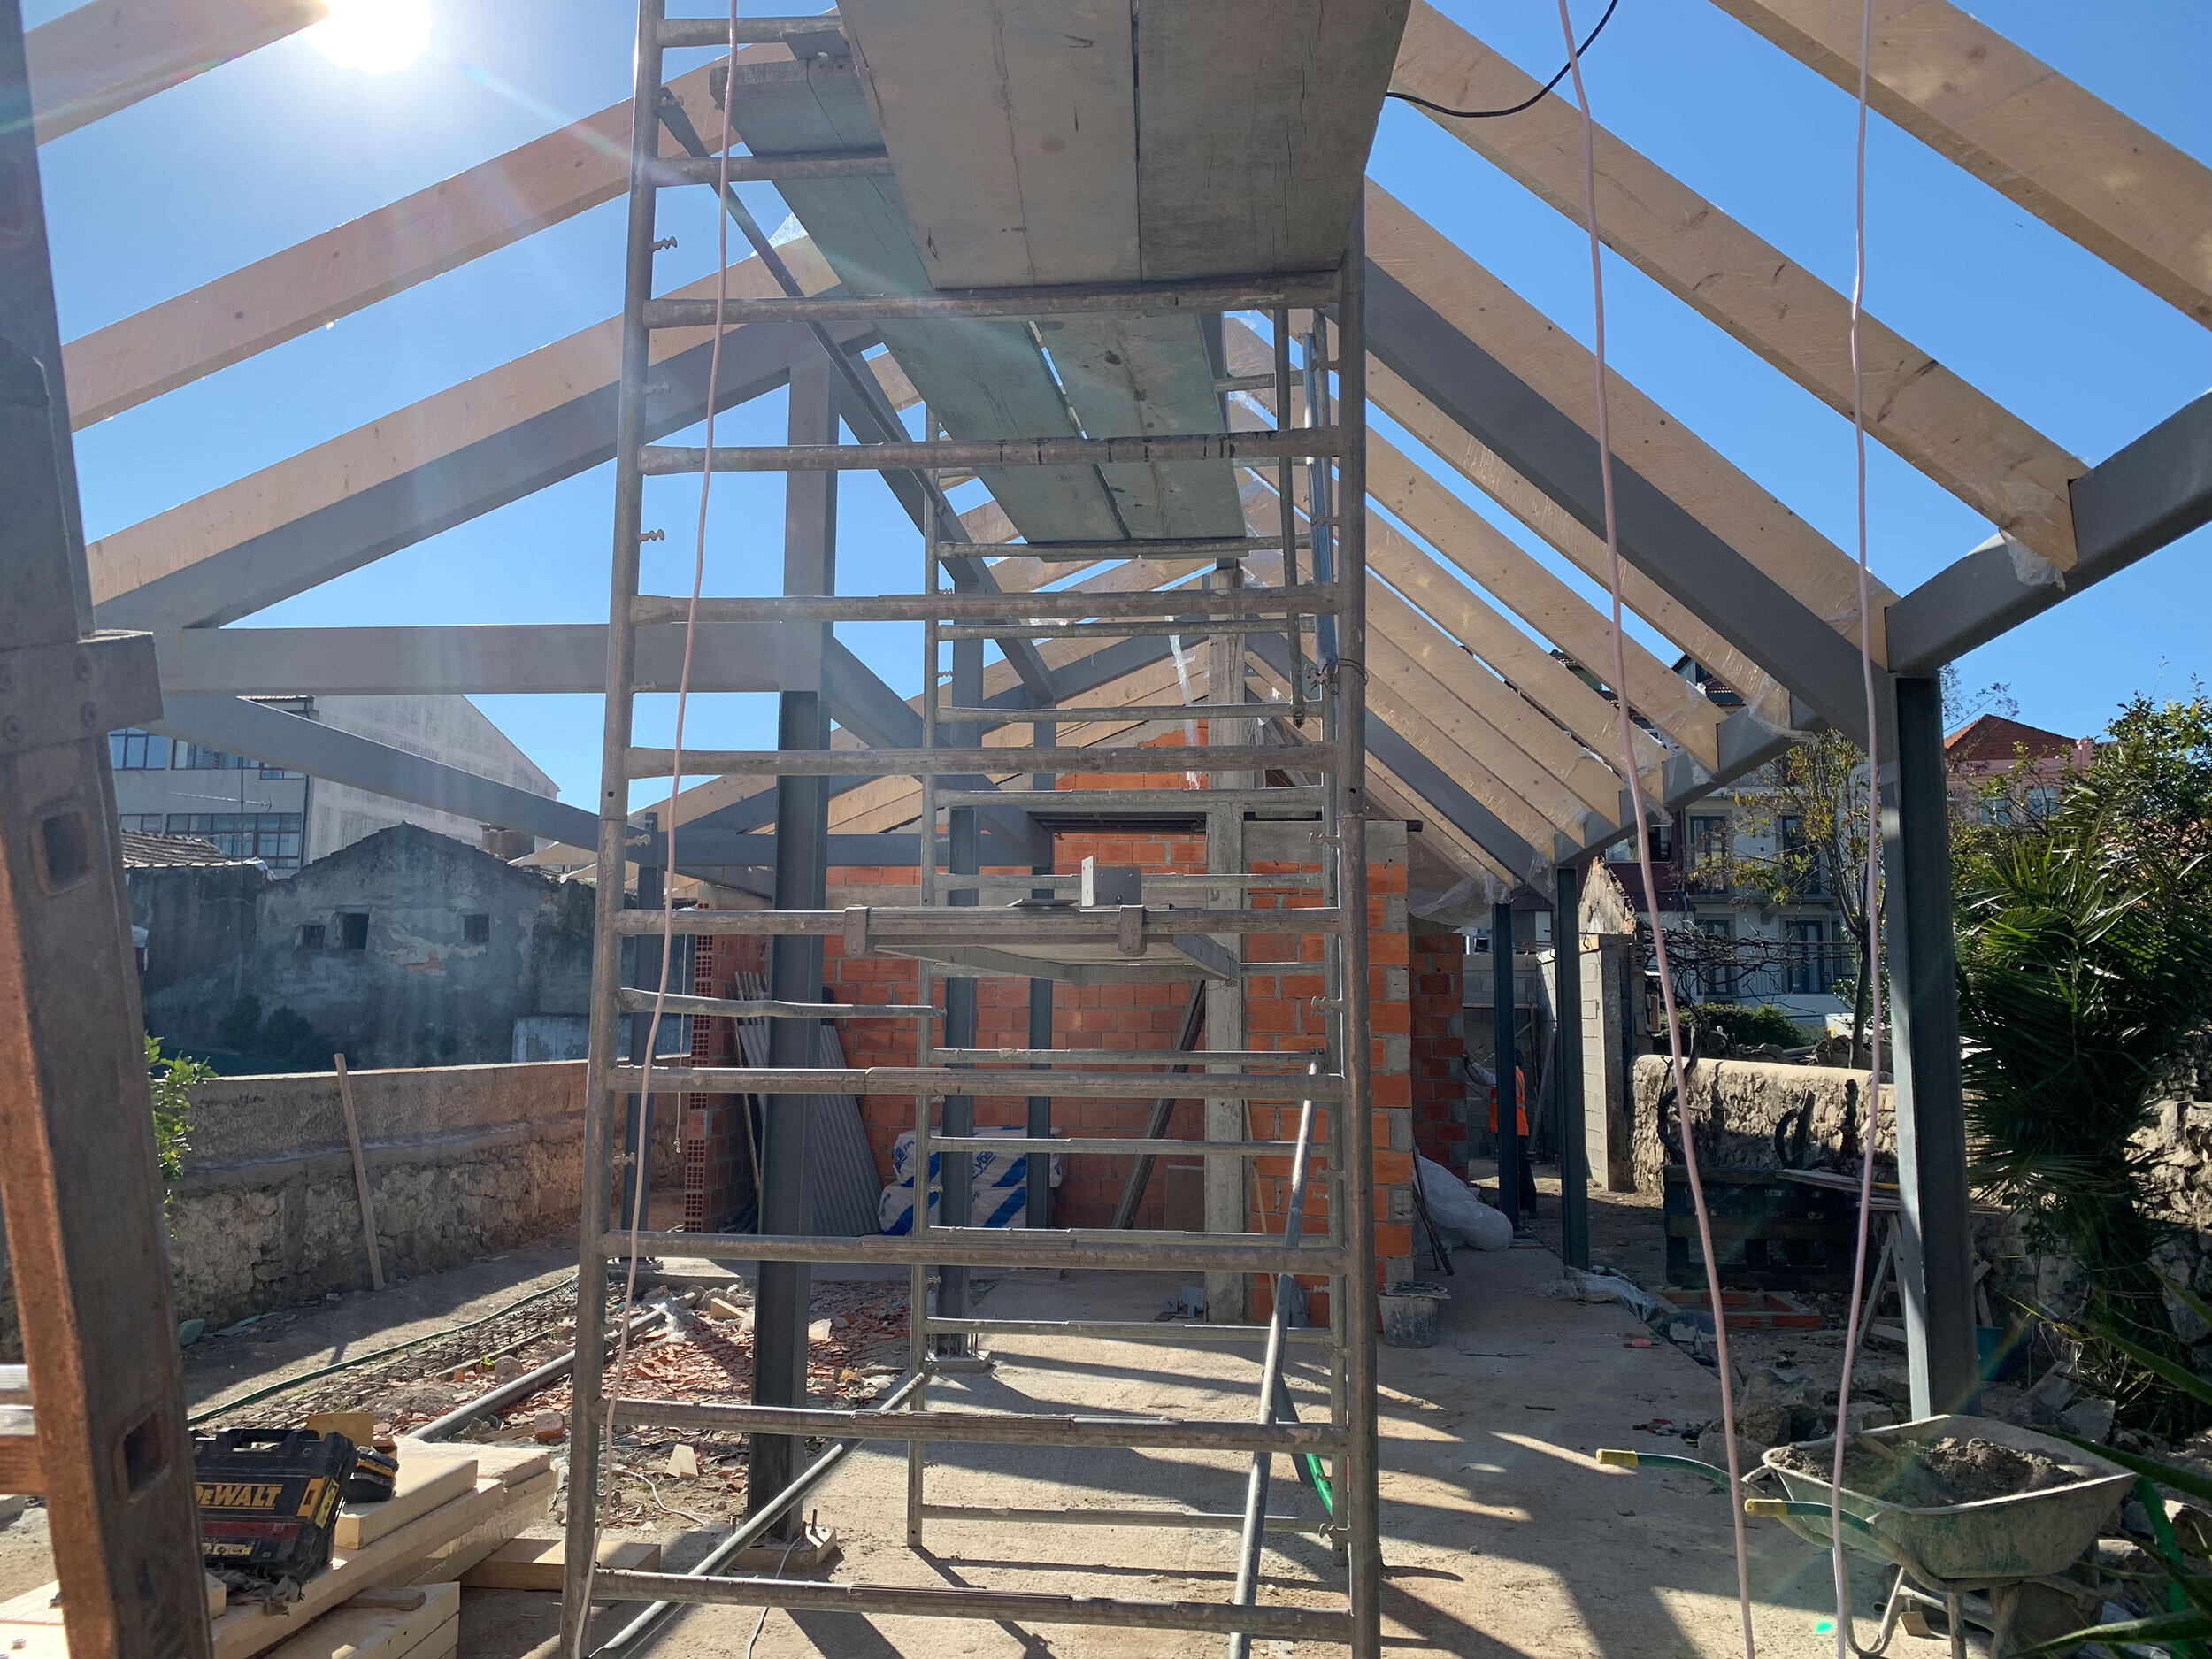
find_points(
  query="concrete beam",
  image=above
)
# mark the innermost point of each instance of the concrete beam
(1740, 602)
(2155, 491)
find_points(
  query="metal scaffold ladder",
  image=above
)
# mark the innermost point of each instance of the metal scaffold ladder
(1303, 628)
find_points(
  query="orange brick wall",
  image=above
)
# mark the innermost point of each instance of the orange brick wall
(1440, 1086)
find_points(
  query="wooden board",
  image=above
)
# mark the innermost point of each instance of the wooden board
(1966, 440)
(1254, 121)
(441, 425)
(443, 1643)
(984, 380)
(1404, 717)
(105, 56)
(1481, 467)
(2135, 201)
(534, 1563)
(381, 253)
(1560, 369)
(351, 1632)
(425, 1482)
(527, 1504)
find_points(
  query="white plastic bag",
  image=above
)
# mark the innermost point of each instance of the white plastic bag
(1458, 1210)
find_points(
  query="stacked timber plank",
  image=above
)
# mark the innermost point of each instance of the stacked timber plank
(391, 1590)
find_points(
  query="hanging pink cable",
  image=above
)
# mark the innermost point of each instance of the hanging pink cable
(641, 1176)
(1872, 967)
(1643, 839)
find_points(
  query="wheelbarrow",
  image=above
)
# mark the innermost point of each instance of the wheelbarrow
(2010, 1554)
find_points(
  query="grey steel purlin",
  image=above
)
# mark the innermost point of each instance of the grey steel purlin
(81, 1191)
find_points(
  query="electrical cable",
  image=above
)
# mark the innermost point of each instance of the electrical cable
(1574, 54)
(1872, 967)
(1643, 837)
(640, 1180)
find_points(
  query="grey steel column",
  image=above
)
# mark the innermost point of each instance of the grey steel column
(1501, 1020)
(1039, 1123)
(1574, 1152)
(1936, 1276)
(963, 850)
(795, 965)
(644, 973)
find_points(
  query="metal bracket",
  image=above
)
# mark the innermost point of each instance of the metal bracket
(51, 695)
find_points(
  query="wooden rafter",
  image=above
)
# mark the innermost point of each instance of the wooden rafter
(372, 257)
(100, 58)
(2111, 184)
(1982, 453)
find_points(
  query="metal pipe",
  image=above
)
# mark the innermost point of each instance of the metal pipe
(876, 1601)
(1238, 627)
(1299, 800)
(1289, 514)
(1270, 1379)
(1363, 1498)
(1104, 712)
(1194, 1520)
(900, 1080)
(893, 924)
(728, 1008)
(978, 1428)
(676, 33)
(521, 1388)
(1574, 1154)
(1200, 547)
(914, 763)
(660, 459)
(1183, 603)
(838, 164)
(1214, 294)
(1171, 1331)
(1119, 1145)
(1110, 1056)
(755, 1526)
(586, 1454)
(990, 1247)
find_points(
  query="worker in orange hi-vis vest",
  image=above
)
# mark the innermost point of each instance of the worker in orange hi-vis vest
(1520, 1123)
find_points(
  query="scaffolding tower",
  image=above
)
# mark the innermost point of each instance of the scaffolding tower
(961, 930)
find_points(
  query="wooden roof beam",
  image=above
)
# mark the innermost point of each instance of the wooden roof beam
(1965, 440)
(108, 55)
(2138, 202)
(372, 257)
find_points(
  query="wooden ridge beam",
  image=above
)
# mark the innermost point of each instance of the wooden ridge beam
(380, 254)
(1959, 436)
(2138, 202)
(105, 56)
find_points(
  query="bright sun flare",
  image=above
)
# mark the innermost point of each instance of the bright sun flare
(374, 36)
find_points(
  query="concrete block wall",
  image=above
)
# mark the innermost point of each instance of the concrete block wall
(1737, 1106)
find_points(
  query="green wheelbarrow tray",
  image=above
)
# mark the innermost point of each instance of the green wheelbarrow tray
(1962, 1547)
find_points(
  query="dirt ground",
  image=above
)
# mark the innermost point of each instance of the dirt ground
(1501, 1535)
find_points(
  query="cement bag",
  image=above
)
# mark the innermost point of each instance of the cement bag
(1458, 1210)
(1004, 1204)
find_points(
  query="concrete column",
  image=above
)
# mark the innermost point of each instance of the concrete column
(795, 966)
(1936, 1281)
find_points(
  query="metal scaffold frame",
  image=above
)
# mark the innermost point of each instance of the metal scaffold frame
(954, 940)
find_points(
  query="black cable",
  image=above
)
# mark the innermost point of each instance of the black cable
(1541, 93)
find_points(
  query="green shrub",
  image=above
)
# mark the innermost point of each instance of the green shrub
(170, 1083)
(1748, 1027)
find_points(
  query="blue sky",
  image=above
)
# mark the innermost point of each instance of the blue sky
(269, 150)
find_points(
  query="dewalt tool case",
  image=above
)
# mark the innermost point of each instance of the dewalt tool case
(268, 1498)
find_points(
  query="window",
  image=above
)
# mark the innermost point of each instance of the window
(133, 750)
(353, 930)
(476, 930)
(1711, 850)
(2042, 802)
(145, 823)
(1624, 852)
(192, 758)
(311, 935)
(1717, 976)
(272, 837)
(1811, 964)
